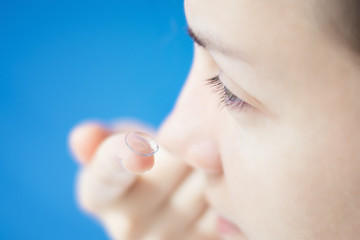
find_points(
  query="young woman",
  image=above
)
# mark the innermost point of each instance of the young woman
(278, 160)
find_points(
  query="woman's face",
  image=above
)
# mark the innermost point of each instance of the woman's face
(286, 164)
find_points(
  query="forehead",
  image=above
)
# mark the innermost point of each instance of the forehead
(253, 25)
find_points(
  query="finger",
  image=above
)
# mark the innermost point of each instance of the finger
(206, 225)
(182, 210)
(105, 178)
(189, 199)
(201, 236)
(144, 147)
(85, 138)
(117, 225)
(154, 187)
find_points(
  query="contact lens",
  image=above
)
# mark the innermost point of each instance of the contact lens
(141, 143)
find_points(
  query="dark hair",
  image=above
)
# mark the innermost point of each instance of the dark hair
(342, 19)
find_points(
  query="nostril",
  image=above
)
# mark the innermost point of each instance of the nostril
(205, 156)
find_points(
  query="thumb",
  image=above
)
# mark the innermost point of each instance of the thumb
(85, 138)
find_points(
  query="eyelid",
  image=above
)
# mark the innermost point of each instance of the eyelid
(239, 91)
(226, 97)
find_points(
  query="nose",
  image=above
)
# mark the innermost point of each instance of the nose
(190, 131)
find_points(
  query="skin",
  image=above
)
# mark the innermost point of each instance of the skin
(286, 167)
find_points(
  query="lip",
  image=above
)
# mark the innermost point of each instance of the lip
(225, 227)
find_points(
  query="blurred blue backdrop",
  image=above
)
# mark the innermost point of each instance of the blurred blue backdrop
(65, 61)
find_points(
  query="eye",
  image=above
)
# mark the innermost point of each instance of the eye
(226, 97)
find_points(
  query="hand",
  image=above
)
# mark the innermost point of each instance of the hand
(131, 196)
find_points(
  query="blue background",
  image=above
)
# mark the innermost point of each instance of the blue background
(62, 62)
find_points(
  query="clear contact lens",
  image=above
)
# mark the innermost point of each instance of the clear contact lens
(141, 143)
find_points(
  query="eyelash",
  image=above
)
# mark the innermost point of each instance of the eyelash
(227, 98)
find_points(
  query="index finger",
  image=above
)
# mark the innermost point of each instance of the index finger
(110, 173)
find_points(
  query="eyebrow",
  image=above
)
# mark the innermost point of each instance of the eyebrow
(214, 44)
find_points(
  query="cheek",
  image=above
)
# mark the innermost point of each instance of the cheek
(253, 177)
(287, 181)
